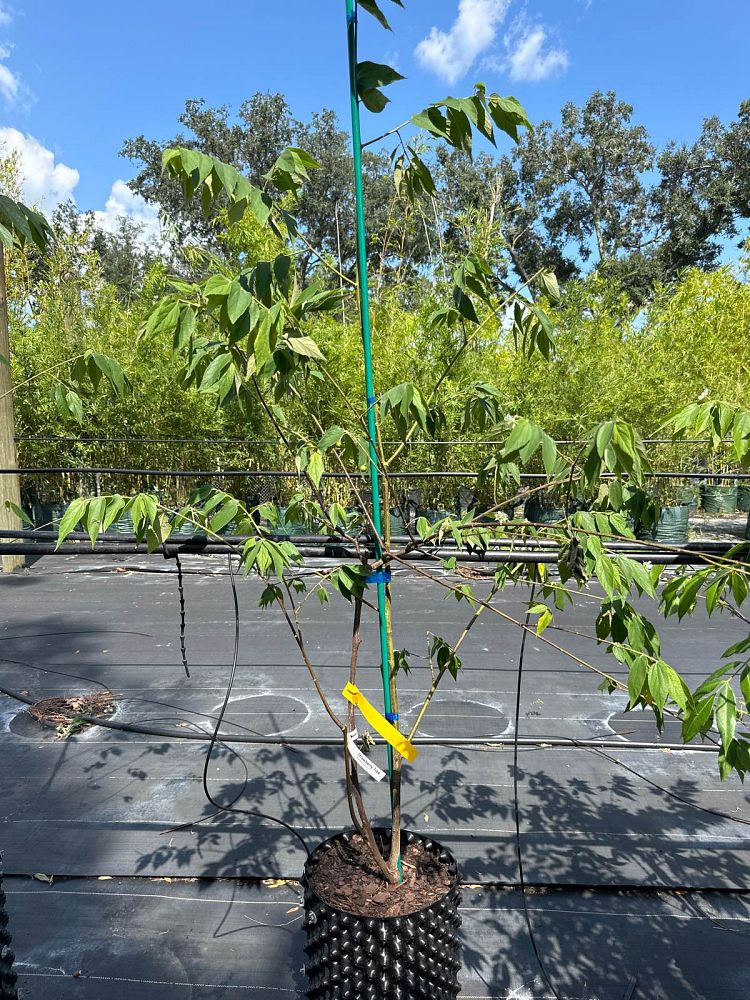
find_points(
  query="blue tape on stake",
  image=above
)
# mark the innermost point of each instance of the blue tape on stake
(382, 576)
(370, 400)
(392, 716)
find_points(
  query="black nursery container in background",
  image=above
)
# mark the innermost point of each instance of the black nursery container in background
(7, 975)
(411, 957)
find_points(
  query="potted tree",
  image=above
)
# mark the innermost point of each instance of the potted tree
(669, 521)
(382, 902)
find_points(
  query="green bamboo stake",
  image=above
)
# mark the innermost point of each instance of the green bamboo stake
(364, 310)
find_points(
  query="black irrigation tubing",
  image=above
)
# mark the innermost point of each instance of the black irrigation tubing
(689, 558)
(273, 441)
(290, 474)
(534, 742)
(513, 544)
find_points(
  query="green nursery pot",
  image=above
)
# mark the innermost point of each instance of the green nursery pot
(719, 499)
(689, 496)
(747, 527)
(743, 498)
(670, 529)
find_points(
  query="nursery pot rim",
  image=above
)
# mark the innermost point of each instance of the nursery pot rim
(407, 836)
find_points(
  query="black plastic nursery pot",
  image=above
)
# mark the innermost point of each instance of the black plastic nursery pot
(540, 514)
(410, 957)
(719, 499)
(7, 975)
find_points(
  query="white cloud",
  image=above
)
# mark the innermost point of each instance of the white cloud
(6, 14)
(530, 58)
(44, 181)
(451, 54)
(10, 82)
(123, 202)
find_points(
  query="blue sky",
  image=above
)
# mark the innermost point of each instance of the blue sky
(77, 78)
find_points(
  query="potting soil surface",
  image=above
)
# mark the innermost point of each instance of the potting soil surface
(639, 883)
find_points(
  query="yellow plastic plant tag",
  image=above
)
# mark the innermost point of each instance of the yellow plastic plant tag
(379, 723)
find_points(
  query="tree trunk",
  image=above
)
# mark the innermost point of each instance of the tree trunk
(9, 484)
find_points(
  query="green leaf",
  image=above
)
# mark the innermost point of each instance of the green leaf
(545, 619)
(372, 7)
(658, 683)
(94, 515)
(401, 663)
(70, 519)
(164, 319)
(306, 347)
(316, 467)
(725, 712)
(238, 301)
(371, 77)
(508, 114)
(74, 405)
(745, 686)
(548, 282)
(291, 169)
(698, 719)
(21, 514)
(331, 438)
(423, 527)
(636, 679)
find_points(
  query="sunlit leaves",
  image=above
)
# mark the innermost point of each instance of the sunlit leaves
(198, 172)
(718, 420)
(452, 119)
(532, 330)
(20, 226)
(411, 175)
(405, 405)
(268, 557)
(616, 447)
(483, 408)
(525, 439)
(291, 169)
(445, 657)
(87, 374)
(351, 580)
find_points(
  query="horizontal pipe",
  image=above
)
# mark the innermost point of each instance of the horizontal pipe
(336, 551)
(397, 541)
(283, 474)
(335, 741)
(42, 439)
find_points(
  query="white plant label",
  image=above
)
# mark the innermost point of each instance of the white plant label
(362, 760)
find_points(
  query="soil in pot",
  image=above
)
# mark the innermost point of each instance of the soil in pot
(352, 955)
(346, 877)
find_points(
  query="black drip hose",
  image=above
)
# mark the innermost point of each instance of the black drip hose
(231, 807)
(181, 589)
